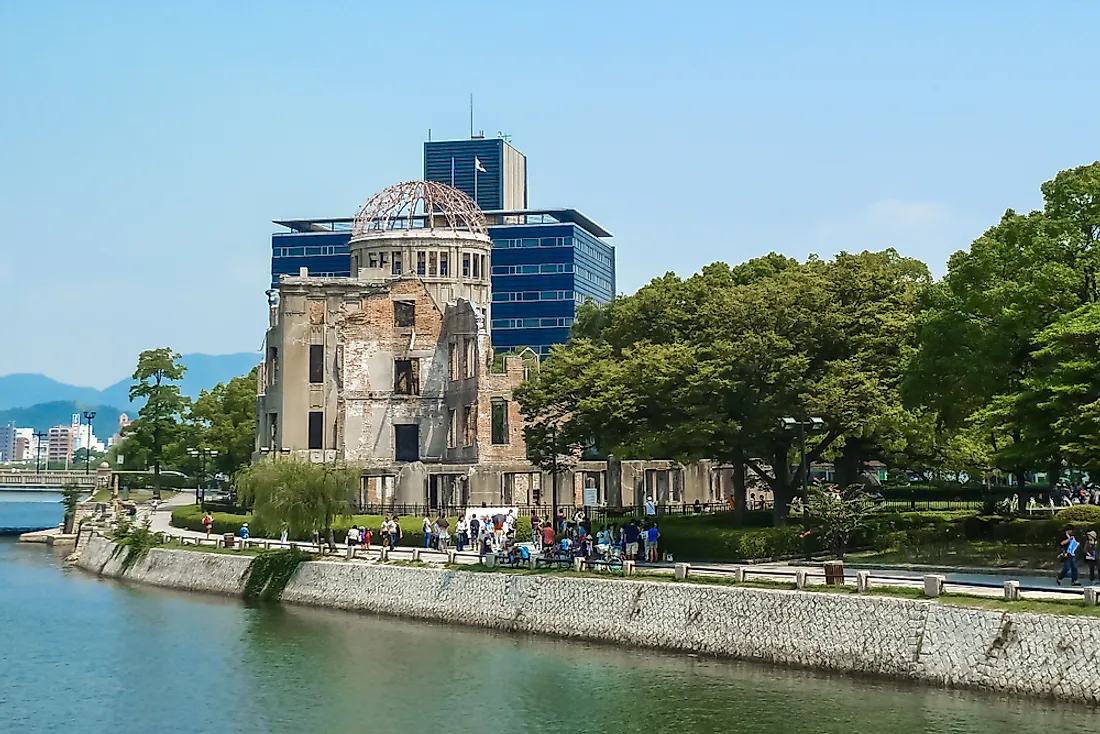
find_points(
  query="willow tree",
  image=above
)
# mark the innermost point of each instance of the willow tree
(304, 496)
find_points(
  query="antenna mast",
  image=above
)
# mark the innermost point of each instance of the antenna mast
(471, 115)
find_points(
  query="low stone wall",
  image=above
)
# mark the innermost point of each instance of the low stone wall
(1038, 655)
(212, 573)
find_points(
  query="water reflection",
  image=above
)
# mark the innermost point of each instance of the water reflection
(89, 655)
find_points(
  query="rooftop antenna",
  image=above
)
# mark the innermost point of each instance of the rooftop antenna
(471, 115)
(504, 136)
(429, 135)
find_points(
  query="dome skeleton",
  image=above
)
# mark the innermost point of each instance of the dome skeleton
(419, 205)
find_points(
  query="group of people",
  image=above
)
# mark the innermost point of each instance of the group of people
(1069, 546)
(389, 534)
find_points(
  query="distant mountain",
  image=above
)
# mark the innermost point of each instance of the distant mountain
(44, 416)
(203, 372)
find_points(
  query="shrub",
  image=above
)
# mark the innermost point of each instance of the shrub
(1079, 513)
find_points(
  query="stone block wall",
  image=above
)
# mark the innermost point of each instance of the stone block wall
(1031, 654)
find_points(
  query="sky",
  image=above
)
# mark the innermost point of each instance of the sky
(145, 147)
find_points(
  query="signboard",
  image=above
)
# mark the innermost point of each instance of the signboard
(591, 496)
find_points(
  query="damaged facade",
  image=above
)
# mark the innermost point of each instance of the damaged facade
(392, 370)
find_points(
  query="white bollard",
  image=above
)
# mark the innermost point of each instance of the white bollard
(578, 564)
(351, 552)
(800, 579)
(933, 586)
(628, 568)
(1092, 596)
(452, 557)
(739, 575)
(384, 554)
(682, 570)
(489, 559)
(416, 555)
(1012, 590)
(863, 581)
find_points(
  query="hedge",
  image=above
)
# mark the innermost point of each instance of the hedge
(1079, 513)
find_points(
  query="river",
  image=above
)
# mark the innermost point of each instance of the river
(90, 655)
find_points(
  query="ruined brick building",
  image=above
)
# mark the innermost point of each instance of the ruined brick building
(392, 370)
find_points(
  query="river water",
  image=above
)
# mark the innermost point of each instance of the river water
(80, 654)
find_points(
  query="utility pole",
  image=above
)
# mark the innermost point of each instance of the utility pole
(38, 452)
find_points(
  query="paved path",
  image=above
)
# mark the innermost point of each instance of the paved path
(978, 584)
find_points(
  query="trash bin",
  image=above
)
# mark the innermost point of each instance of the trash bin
(228, 540)
(834, 573)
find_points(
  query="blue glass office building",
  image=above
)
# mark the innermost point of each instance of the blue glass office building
(544, 261)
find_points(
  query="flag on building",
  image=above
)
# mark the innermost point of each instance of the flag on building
(478, 166)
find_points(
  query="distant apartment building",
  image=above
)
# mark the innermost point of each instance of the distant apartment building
(7, 442)
(23, 449)
(59, 444)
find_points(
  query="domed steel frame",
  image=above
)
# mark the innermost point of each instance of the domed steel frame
(419, 205)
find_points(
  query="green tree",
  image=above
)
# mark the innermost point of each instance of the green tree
(978, 330)
(836, 514)
(1065, 385)
(304, 495)
(705, 367)
(158, 421)
(224, 419)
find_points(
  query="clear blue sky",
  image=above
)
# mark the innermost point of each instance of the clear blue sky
(146, 146)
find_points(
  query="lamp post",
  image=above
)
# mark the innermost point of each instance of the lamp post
(201, 454)
(802, 424)
(89, 415)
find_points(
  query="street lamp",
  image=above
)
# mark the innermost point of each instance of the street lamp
(89, 415)
(200, 490)
(811, 424)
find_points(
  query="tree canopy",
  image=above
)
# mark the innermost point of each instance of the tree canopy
(705, 367)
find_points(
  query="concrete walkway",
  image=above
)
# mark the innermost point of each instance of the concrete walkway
(978, 584)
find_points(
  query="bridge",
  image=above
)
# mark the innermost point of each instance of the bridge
(54, 479)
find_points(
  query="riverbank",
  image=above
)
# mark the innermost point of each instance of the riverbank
(1017, 653)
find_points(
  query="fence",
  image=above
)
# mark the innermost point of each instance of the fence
(544, 511)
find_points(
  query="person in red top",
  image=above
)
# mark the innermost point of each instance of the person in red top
(547, 536)
(207, 523)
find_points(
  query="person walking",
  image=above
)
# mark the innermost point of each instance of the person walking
(353, 538)
(395, 526)
(1069, 558)
(631, 534)
(651, 543)
(365, 538)
(427, 532)
(1090, 554)
(462, 537)
(207, 523)
(443, 533)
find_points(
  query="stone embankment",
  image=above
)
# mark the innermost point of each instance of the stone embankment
(1017, 653)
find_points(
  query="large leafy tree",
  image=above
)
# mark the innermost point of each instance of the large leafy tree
(305, 496)
(158, 421)
(705, 367)
(980, 327)
(1065, 385)
(223, 418)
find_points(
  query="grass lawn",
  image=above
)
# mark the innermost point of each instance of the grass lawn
(977, 553)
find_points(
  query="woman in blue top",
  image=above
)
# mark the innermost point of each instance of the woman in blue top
(1069, 563)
